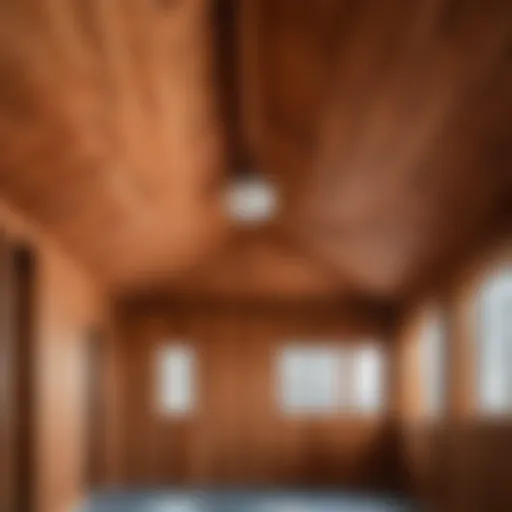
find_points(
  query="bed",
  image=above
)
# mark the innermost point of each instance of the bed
(246, 501)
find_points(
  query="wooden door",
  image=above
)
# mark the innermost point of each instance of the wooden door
(6, 375)
(24, 368)
(17, 373)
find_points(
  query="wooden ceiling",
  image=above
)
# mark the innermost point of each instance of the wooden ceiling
(386, 126)
(110, 132)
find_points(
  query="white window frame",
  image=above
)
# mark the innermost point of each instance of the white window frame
(345, 359)
(176, 379)
(365, 402)
(494, 382)
(291, 358)
(433, 362)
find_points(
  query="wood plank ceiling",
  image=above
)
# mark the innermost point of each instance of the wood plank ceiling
(385, 124)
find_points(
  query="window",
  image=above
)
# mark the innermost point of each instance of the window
(310, 379)
(317, 379)
(433, 363)
(176, 373)
(495, 345)
(368, 379)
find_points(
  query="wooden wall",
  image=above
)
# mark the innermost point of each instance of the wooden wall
(238, 435)
(67, 302)
(462, 460)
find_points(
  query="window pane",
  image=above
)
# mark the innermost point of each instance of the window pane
(175, 379)
(495, 361)
(432, 363)
(368, 379)
(310, 379)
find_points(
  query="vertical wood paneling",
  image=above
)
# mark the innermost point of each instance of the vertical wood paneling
(67, 302)
(237, 435)
(462, 461)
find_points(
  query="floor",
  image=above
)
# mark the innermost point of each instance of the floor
(240, 501)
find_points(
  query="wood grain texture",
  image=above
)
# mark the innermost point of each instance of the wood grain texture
(238, 436)
(457, 462)
(67, 302)
(109, 128)
(385, 124)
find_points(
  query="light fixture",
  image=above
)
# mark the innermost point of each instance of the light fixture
(251, 199)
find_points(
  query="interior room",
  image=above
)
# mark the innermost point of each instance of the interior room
(255, 256)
